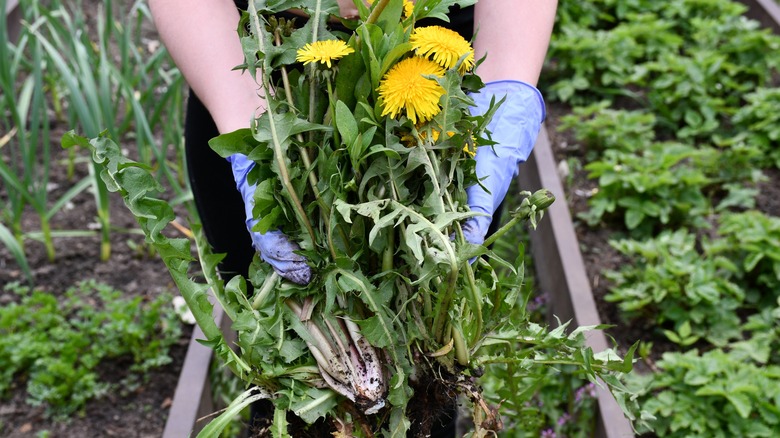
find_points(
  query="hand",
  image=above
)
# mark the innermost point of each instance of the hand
(274, 247)
(514, 128)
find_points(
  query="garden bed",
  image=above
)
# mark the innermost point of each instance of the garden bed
(141, 411)
(591, 243)
(130, 408)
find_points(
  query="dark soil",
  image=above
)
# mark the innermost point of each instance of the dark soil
(431, 390)
(598, 255)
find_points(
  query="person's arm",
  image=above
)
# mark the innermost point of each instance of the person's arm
(515, 35)
(202, 38)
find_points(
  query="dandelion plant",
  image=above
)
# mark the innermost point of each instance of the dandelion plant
(363, 157)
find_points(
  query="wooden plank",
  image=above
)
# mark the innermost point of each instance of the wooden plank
(13, 19)
(560, 272)
(766, 12)
(193, 399)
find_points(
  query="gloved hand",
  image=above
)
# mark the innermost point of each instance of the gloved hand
(514, 127)
(274, 247)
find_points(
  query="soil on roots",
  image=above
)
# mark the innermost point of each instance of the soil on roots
(432, 412)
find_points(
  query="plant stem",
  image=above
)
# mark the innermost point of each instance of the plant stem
(439, 322)
(474, 292)
(304, 152)
(268, 286)
(380, 6)
(278, 153)
(389, 252)
(461, 351)
(47, 241)
(313, 182)
(476, 300)
(500, 232)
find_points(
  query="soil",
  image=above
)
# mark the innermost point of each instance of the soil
(599, 256)
(437, 389)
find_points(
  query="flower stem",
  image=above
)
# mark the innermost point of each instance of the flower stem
(304, 152)
(313, 181)
(500, 232)
(278, 153)
(380, 6)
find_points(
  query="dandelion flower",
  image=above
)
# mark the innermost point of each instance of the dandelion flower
(408, 8)
(444, 45)
(404, 87)
(323, 51)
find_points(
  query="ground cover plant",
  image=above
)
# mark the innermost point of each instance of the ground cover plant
(670, 133)
(59, 345)
(372, 187)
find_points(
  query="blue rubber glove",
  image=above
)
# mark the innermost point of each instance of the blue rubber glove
(274, 247)
(514, 127)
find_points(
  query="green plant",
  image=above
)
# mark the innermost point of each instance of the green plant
(713, 394)
(688, 63)
(23, 83)
(671, 281)
(669, 184)
(759, 122)
(751, 239)
(599, 63)
(96, 78)
(559, 400)
(57, 346)
(657, 185)
(601, 127)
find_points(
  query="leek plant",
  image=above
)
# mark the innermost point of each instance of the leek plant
(25, 174)
(107, 78)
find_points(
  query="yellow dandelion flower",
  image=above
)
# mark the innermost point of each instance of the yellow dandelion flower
(323, 51)
(467, 150)
(408, 8)
(444, 45)
(404, 87)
